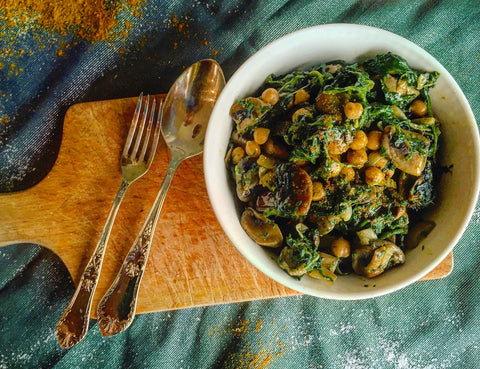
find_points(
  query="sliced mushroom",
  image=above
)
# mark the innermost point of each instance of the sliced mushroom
(326, 268)
(246, 178)
(398, 112)
(293, 190)
(301, 229)
(372, 260)
(239, 139)
(390, 83)
(346, 213)
(265, 201)
(228, 155)
(261, 229)
(366, 236)
(302, 191)
(400, 86)
(247, 112)
(324, 224)
(411, 162)
(426, 121)
(403, 88)
(286, 262)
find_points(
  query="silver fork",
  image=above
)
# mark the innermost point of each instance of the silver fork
(137, 156)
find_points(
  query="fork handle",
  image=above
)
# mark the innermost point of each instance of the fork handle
(73, 324)
(116, 310)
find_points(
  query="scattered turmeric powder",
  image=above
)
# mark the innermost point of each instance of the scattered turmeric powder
(261, 355)
(258, 328)
(91, 20)
(180, 25)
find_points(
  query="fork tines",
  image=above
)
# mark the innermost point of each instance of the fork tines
(140, 134)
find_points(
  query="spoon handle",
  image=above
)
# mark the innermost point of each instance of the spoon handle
(73, 324)
(116, 310)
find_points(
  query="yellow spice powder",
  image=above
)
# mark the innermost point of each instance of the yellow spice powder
(92, 20)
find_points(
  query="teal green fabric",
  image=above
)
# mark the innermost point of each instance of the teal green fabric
(428, 325)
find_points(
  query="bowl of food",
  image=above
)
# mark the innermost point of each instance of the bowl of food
(342, 161)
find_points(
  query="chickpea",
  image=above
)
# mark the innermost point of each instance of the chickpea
(357, 157)
(333, 68)
(349, 173)
(334, 168)
(376, 159)
(418, 108)
(374, 140)
(301, 96)
(266, 162)
(300, 162)
(237, 154)
(353, 110)
(318, 191)
(260, 135)
(389, 173)
(359, 141)
(374, 176)
(275, 150)
(252, 149)
(337, 147)
(268, 179)
(270, 96)
(302, 111)
(340, 248)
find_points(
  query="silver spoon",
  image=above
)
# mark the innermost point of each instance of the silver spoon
(186, 112)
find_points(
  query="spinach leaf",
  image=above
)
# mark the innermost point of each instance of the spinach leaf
(388, 63)
(351, 81)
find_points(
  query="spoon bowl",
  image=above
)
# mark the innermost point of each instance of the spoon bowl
(186, 113)
(188, 106)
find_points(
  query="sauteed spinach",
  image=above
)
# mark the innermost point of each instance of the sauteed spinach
(334, 165)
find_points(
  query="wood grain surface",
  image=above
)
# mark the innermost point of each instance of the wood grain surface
(191, 263)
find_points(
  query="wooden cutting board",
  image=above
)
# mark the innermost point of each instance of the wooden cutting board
(191, 263)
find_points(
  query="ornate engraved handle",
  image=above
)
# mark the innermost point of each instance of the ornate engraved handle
(116, 310)
(73, 324)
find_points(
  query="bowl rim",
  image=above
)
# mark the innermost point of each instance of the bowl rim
(287, 280)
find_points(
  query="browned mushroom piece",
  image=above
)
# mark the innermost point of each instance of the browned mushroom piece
(324, 224)
(274, 149)
(405, 159)
(286, 262)
(302, 191)
(247, 112)
(329, 103)
(426, 121)
(239, 139)
(246, 178)
(400, 86)
(261, 229)
(326, 268)
(372, 260)
(339, 144)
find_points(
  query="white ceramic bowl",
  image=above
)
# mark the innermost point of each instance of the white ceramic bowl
(350, 42)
